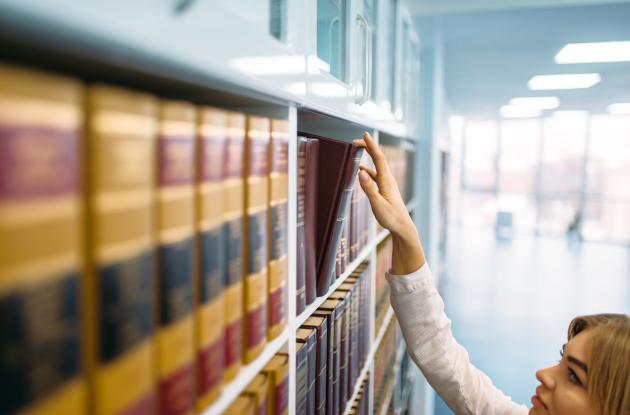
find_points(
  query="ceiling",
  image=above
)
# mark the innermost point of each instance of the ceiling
(490, 55)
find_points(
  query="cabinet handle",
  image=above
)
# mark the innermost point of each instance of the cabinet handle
(367, 64)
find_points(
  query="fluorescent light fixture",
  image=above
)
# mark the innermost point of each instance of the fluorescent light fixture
(570, 114)
(541, 103)
(619, 108)
(511, 111)
(594, 52)
(566, 81)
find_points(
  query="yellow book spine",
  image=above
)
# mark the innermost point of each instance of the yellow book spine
(255, 272)
(211, 139)
(175, 225)
(41, 265)
(233, 206)
(277, 226)
(120, 143)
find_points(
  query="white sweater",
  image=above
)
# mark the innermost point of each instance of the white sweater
(445, 363)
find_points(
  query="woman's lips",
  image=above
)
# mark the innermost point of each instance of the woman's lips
(538, 403)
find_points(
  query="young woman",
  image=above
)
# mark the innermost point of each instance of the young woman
(591, 378)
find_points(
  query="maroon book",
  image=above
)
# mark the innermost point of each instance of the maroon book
(300, 289)
(338, 164)
(310, 225)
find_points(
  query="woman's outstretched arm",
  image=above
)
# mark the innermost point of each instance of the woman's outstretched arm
(419, 308)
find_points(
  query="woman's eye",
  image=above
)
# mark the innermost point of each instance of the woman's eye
(573, 377)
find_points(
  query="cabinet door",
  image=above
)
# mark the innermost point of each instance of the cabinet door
(255, 44)
(328, 73)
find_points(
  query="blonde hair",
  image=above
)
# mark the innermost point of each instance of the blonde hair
(609, 371)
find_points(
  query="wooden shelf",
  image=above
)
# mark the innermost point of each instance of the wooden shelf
(246, 375)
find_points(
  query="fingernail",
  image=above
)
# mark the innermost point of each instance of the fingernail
(363, 176)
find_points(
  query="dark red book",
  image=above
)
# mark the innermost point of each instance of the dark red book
(320, 325)
(338, 163)
(328, 311)
(300, 293)
(310, 226)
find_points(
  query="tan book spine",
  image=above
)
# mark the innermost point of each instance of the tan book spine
(255, 272)
(277, 226)
(41, 266)
(233, 210)
(175, 226)
(119, 289)
(278, 371)
(211, 142)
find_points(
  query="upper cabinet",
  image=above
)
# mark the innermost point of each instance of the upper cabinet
(354, 59)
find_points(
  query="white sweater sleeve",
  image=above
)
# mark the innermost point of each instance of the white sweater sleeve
(444, 363)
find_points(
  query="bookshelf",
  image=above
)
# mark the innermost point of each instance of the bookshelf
(39, 37)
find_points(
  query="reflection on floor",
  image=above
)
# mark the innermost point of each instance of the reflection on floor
(510, 302)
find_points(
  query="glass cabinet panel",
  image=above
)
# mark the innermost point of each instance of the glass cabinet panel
(332, 36)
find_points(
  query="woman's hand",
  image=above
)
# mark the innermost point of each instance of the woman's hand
(389, 209)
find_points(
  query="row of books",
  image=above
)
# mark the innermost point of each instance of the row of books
(267, 393)
(331, 214)
(400, 159)
(361, 404)
(383, 265)
(384, 361)
(143, 251)
(332, 347)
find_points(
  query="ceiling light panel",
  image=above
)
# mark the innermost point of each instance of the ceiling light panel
(511, 111)
(565, 81)
(619, 108)
(594, 52)
(543, 103)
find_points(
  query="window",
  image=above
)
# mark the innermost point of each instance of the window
(480, 153)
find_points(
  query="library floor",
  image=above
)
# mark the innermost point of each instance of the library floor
(510, 302)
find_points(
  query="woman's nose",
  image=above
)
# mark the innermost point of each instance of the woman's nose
(546, 377)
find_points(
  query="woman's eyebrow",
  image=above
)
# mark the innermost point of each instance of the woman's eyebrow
(578, 363)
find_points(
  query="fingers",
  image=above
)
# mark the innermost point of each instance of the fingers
(369, 187)
(375, 152)
(369, 171)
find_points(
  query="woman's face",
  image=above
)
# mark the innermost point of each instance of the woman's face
(563, 388)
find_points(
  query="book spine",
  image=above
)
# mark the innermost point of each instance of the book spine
(321, 363)
(255, 245)
(41, 266)
(212, 132)
(310, 219)
(301, 381)
(300, 285)
(312, 372)
(175, 230)
(350, 168)
(322, 370)
(277, 226)
(343, 355)
(331, 356)
(233, 203)
(120, 286)
(279, 387)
